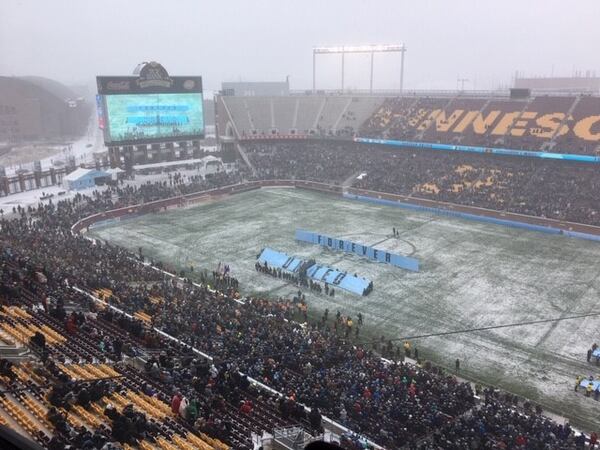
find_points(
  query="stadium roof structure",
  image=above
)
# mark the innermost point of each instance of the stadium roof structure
(179, 162)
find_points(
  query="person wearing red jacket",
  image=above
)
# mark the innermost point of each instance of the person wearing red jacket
(593, 439)
(175, 402)
(521, 441)
(246, 407)
(71, 325)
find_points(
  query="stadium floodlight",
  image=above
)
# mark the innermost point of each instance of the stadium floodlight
(360, 48)
(371, 49)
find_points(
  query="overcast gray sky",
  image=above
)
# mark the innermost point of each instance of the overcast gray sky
(229, 40)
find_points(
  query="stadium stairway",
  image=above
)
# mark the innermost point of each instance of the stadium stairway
(244, 156)
(526, 105)
(552, 143)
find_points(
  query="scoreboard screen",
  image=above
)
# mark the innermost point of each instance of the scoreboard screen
(138, 118)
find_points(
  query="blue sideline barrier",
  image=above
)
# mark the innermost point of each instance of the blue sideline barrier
(355, 248)
(475, 217)
(332, 277)
(578, 235)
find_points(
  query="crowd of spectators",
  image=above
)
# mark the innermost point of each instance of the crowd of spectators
(240, 335)
(392, 403)
(552, 189)
(312, 362)
(497, 424)
(313, 162)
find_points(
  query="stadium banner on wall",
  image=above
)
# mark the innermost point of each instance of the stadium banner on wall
(472, 149)
(362, 250)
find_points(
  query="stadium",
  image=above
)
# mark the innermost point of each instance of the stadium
(285, 269)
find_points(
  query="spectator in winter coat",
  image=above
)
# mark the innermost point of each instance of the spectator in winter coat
(175, 402)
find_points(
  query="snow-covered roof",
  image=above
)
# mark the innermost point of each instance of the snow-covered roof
(114, 170)
(77, 174)
(178, 162)
(81, 172)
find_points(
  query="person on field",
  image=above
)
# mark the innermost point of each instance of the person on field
(577, 382)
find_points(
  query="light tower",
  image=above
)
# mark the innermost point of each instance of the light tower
(462, 82)
(369, 49)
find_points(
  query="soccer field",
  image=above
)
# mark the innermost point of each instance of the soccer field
(472, 275)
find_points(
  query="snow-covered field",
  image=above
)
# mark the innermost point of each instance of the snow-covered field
(472, 275)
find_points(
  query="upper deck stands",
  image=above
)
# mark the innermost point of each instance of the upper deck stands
(358, 111)
(487, 126)
(582, 128)
(565, 124)
(408, 123)
(332, 110)
(308, 109)
(284, 111)
(539, 122)
(447, 118)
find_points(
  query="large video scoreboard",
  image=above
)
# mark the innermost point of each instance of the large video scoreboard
(149, 108)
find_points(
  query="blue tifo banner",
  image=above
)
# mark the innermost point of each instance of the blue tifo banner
(333, 277)
(365, 251)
